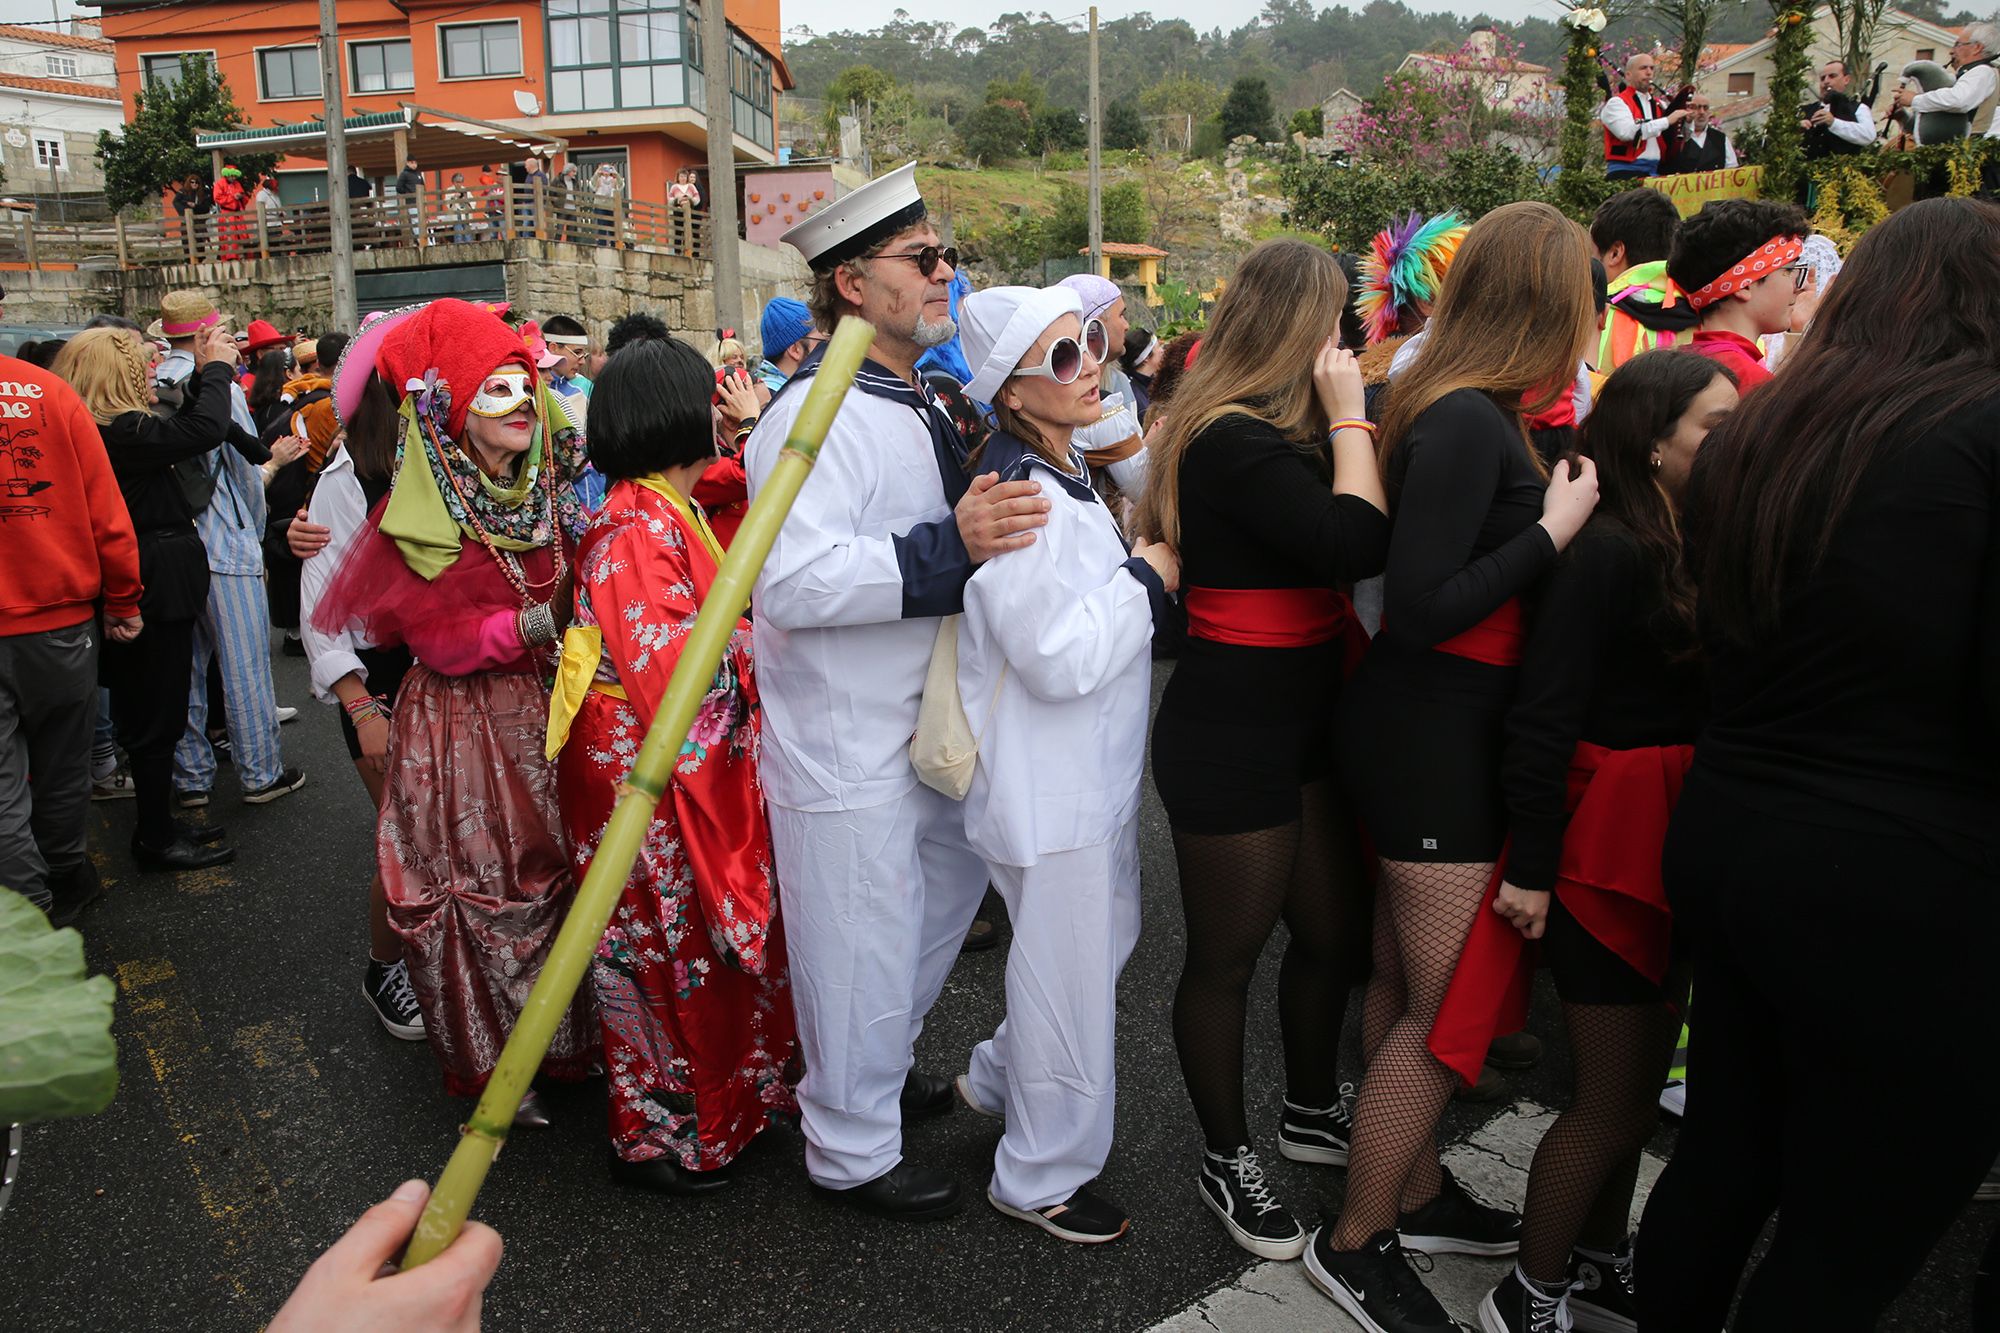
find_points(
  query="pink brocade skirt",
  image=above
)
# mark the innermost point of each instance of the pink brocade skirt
(471, 852)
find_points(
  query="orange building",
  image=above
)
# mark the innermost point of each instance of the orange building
(619, 80)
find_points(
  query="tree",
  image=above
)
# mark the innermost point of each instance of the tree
(1856, 23)
(1688, 23)
(1067, 229)
(157, 147)
(855, 86)
(1310, 122)
(1247, 110)
(1024, 90)
(1184, 98)
(995, 132)
(1059, 129)
(1123, 128)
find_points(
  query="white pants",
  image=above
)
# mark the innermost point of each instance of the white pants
(876, 905)
(1052, 1063)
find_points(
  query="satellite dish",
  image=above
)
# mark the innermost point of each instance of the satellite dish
(528, 103)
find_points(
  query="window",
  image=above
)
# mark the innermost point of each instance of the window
(380, 67)
(1925, 53)
(157, 68)
(49, 154)
(607, 54)
(750, 88)
(480, 50)
(61, 67)
(1742, 85)
(288, 71)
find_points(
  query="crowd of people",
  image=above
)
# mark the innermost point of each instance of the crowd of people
(1622, 600)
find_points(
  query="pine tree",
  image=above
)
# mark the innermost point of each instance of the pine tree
(1247, 110)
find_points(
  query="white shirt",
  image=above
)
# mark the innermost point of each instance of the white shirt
(1700, 140)
(1055, 671)
(1971, 92)
(840, 669)
(1860, 130)
(339, 505)
(1617, 117)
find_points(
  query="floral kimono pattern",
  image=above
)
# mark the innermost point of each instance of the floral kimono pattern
(690, 978)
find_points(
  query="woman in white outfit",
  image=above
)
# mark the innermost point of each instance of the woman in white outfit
(1055, 670)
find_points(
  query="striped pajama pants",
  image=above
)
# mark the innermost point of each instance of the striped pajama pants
(236, 627)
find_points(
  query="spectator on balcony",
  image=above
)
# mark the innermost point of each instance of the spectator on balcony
(409, 195)
(461, 210)
(606, 185)
(568, 191)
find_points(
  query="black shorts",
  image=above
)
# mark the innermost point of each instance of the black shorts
(1419, 739)
(1585, 971)
(1240, 731)
(386, 668)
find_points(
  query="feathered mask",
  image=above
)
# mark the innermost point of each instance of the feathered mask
(1405, 264)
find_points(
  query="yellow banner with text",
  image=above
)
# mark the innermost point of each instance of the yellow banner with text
(1689, 190)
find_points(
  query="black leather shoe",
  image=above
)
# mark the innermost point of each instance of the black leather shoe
(665, 1175)
(71, 893)
(179, 855)
(202, 835)
(925, 1094)
(907, 1193)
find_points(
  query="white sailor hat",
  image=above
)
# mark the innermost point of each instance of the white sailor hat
(854, 223)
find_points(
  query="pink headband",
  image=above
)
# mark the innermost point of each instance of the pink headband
(181, 328)
(1760, 263)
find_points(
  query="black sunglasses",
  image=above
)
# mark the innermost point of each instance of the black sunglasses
(926, 258)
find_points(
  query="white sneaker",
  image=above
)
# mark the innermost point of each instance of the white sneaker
(1674, 1097)
(286, 713)
(963, 1083)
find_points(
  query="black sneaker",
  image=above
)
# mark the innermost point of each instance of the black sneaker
(1457, 1223)
(1082, 1217)
(1602, 1298)
(1234, 1190)
(191, 800)
(1518, 1306)
(388, 989)
(1376, 1286)
(1321, 1137)
(287, 782)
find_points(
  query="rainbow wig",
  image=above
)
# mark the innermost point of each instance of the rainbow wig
(1405, 264)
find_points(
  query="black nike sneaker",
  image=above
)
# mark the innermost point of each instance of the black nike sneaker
(1376, 1285)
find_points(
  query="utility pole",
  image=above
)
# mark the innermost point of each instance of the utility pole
(715, 63)
(340, 216)
(1096, 165)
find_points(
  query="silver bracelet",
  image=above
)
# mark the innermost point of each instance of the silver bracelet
(538, 624)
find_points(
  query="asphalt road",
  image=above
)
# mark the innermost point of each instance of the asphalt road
(261, 1108)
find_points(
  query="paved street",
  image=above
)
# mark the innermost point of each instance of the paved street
(261, 1108)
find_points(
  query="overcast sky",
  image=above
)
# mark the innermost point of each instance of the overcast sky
(830, 15)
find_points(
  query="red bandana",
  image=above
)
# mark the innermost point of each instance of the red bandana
(1762, 262)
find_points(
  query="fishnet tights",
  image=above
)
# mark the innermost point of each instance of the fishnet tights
(1580, 1188)
(1423, 914)
(1234, 889)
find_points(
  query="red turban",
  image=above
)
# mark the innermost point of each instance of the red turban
(463, 342)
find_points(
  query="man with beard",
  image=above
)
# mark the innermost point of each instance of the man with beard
(877, 880)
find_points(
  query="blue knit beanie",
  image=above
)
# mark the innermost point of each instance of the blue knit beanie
(785, 322)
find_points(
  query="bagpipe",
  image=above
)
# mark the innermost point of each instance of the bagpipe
(1935, 126)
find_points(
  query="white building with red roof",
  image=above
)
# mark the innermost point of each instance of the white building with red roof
(57, 90)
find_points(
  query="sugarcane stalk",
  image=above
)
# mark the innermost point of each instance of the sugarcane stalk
(576, 943)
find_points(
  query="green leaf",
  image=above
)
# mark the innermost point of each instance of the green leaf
(57, 1058)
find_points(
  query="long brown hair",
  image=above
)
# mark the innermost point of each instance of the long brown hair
(1908, 336)
(1513, 319)
(1640, 405)
(1256, 360)
(107, 368)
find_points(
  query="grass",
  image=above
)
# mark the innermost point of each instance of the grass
(981, 199)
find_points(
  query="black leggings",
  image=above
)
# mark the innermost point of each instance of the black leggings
(148, 679)
(1805, 938)
(1234, 889)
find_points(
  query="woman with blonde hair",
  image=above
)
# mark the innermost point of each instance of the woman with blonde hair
(1263, 476)
(1477, 521)
(110, 369)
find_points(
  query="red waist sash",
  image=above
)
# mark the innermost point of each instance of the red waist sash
(1620, 802)
(1495, 640)
(1267, 617)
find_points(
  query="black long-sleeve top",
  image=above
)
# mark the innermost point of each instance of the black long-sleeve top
(1466, 500)
(1259, 512)
(1875, 703)
(1599, 666)
(143, 448)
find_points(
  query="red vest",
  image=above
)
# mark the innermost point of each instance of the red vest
(1617, 149)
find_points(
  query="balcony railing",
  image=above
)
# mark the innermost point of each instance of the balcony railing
(422, 222)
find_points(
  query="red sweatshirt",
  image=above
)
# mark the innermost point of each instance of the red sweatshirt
(65, 539)
(1739, 353)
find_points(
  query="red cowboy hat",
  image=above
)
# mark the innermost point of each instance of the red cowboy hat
(261, 335)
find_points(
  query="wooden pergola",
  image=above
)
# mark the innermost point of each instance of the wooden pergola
(1148, 257)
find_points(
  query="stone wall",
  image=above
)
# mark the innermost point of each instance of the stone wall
(542, 277)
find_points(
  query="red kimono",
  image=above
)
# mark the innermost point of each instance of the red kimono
(690, 977)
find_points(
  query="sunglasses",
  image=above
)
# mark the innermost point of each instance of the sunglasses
(1064, 361)
(926, 259)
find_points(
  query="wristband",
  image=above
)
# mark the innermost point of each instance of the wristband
(1351, 423)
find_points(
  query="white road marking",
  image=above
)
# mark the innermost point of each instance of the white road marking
(1275, 1297)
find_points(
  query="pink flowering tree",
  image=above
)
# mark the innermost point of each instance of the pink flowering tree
(1483, 95)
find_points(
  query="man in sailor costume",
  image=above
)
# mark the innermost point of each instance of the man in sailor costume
(876, 880)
